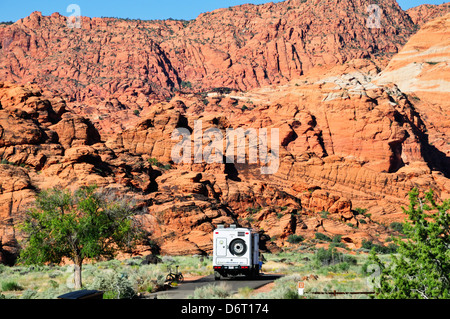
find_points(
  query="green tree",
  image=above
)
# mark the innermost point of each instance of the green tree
(421, 267)
(85, 224)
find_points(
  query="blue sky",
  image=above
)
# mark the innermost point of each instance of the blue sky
(142, 9)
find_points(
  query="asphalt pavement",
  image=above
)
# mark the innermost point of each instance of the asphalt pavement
(185, 289)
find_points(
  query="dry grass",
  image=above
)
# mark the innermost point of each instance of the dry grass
(45, 282)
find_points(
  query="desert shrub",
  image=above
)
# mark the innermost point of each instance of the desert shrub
(154, 162)
(321, 236)
(253, 210)
(285, 288)
(50, 293)
(186, 84)
(11, 285)
(351, 260)
(245, 292)
(369, 245)
(324, 214)
(53, 283)
(168, 260)
(29, 294)
(212, 291)
(330, 257)
(325, 257)
(147, 278)
(341, 267)
(295, 239)
(397, 227)
(115, 285)
(359, 211)
(337, 239)
(287, 293)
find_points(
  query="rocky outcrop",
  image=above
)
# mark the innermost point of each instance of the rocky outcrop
(421, 69)
(16, 191)
(43, 146)
(421, 65)
(345, 143)
(427, 12)
(240, 47)
(350, 139)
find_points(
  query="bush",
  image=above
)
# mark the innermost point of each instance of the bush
(326, 257)
(337, 239)
(369, 245)
(285, 288)
(349, 259)
(359, 211)
(11, 286)
(324, 214)
(397, 227)
(186, 84)
(295, 239)
(212, 291)
(115, 285)
(330, 256)
(343, 266)
(321, 236)
(154, 162)
(29, 294)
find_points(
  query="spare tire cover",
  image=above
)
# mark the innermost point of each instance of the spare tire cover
(238, 247)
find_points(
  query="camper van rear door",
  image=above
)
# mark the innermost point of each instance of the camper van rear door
(221, 245)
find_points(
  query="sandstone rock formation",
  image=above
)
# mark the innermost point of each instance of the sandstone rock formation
(42, 145)
(427, 12)
(99, 105)
(421, 69)
(240, 47)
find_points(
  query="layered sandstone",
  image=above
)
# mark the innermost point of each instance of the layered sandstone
(427, 12)
(349, 137)
(240, 47)
(421, 69)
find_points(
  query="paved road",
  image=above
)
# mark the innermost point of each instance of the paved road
(187, 288)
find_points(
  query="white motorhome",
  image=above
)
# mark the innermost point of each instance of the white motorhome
(235, 252)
